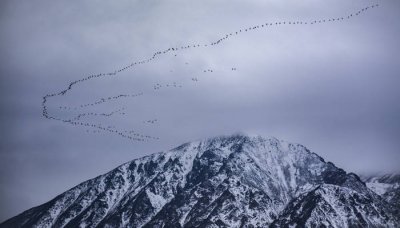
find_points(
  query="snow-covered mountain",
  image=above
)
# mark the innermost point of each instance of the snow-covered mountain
(387, 186)
(232, 181)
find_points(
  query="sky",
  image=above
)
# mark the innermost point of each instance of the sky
(332, 87)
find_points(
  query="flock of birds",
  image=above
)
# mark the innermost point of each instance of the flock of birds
(119, 111)
(131, 134)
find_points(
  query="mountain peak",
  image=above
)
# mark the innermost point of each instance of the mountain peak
(226, 181)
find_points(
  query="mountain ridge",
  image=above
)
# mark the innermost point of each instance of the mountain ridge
(227, 181)
(387, 186)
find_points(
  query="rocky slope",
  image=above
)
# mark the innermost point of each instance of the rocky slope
(233, 181)
(387, 186)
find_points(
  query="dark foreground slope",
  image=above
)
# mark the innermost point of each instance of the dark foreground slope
(234, 181)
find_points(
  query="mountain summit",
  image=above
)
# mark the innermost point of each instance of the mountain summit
(231, 181)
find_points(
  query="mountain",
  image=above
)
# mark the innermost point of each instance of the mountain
(231, 181)
(387, 186)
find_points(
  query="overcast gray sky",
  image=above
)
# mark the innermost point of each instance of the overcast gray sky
(333, 87)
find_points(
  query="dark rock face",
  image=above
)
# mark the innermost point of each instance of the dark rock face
(234, 181)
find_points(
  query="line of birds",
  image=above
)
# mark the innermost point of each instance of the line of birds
(110, 129)
(108, 99)
(101, 100)
(93, 131)
(153, 121)
(174, 50)
(78, 117)
(158, 86)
